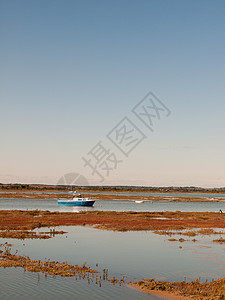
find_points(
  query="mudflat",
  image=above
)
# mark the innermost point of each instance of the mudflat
(111, 220)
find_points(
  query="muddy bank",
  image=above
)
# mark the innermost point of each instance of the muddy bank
(214, 290)
(7, 260)
(29, 234)
(111, 220)
(163, 294)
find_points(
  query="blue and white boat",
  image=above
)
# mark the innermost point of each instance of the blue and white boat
(77, 200)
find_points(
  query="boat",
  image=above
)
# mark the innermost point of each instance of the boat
(77, 200)
(139, 201)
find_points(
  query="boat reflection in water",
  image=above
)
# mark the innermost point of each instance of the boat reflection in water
(78, 209)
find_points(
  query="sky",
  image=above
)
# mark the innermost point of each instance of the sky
(72, 73)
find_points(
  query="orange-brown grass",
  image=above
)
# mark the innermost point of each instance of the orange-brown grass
(203, 231)
(219, 240)
(187, 233)
(26, 234)
(48, 267)
(115, 280)
(206, 231)
(214, 290)
(118, 221)
(175, 240)
(6, 244)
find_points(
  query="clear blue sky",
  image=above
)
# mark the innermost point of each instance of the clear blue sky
(71, 70)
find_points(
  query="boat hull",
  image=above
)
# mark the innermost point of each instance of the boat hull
(77, 203)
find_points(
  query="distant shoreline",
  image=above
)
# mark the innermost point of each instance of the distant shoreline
(144, 189)
(117, 196)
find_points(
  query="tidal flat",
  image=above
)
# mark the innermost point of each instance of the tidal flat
(144, 248)
(111, 220)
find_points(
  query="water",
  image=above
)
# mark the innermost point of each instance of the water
(112, 205)
(14, 284)
(136, 255)
(169, 195)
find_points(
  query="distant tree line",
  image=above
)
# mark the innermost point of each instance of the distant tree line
(188, 189)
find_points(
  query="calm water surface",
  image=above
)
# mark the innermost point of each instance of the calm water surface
(112, 205)
(169, 195)
(133, 254)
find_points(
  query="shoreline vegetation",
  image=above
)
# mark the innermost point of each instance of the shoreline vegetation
(54, 268)
(169, 189)
(214, 290)
(158, 222)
